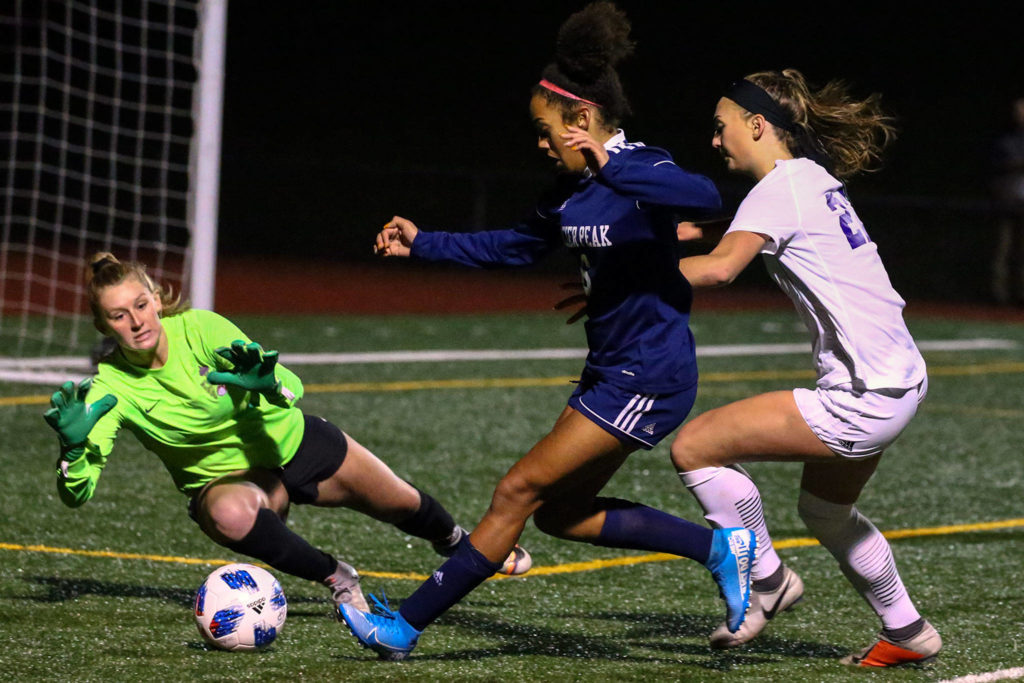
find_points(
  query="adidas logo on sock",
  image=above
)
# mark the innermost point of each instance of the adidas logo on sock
(439, 577)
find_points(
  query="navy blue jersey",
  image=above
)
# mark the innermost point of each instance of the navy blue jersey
(621, 226)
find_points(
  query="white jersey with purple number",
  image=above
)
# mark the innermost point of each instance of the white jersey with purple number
(819, 253)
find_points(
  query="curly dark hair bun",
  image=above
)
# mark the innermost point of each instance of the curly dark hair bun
(592, 41)
(589, 46)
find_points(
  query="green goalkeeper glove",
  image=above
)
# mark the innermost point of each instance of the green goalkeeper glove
(253, 371)
(72, 418)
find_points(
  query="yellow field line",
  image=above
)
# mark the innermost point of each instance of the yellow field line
(527, 382)
(568, 568)
(954, 529)
(24, 400)
(972, 410)
(979, 369)
(166, 558)
(779, 544)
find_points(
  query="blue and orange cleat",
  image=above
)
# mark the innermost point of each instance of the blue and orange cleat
(887, 652)
(730, 559)
(387, 633)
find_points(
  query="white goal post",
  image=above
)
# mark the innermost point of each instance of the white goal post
(208, 116)
(110, 114)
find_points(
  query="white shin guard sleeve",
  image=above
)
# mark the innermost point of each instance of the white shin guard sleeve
(863, 554)
(730, 499)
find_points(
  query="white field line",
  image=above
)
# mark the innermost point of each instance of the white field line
(58, 369)
(711, 351)
(44, 362)
(1002, 675)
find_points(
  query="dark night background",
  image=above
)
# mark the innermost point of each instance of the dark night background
(339, 115)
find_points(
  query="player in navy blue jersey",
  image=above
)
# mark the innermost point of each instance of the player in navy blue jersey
(615, 206)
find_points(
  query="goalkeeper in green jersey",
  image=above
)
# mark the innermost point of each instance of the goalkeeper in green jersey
(219, 411)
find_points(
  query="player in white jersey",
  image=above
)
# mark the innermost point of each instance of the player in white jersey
(796, 143)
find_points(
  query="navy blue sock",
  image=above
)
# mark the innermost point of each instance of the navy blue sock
(638, 527)
(454, 580)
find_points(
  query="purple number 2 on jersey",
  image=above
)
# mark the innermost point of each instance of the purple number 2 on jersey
(854, 230)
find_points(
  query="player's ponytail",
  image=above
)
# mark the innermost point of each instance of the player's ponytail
(846, 134)
(590, 44)
(105, 270)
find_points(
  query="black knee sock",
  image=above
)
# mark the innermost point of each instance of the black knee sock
(271, 541)
(431, 521)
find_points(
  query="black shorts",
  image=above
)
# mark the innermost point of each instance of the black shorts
(320, 454)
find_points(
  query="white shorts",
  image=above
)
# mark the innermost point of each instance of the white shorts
(858, 425)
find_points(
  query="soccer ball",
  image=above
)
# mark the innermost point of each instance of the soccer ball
(240, 607)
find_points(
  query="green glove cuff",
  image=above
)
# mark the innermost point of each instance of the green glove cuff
(71, 453)
(280, 396)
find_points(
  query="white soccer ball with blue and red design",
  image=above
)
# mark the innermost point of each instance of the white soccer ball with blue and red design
(240, 607)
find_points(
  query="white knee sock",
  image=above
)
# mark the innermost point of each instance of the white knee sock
(864, 556)
(730, 498)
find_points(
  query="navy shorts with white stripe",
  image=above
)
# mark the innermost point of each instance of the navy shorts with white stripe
(637, 419)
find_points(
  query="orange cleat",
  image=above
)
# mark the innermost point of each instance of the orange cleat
(886, 652)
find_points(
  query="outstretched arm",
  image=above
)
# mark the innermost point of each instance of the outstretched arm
(73, 418)
(518, 246)
(727, 260)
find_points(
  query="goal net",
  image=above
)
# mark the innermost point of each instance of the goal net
(101, 118)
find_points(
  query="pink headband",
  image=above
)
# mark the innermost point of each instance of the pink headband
(548, 85)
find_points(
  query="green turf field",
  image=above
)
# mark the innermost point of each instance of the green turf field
(103, 593)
